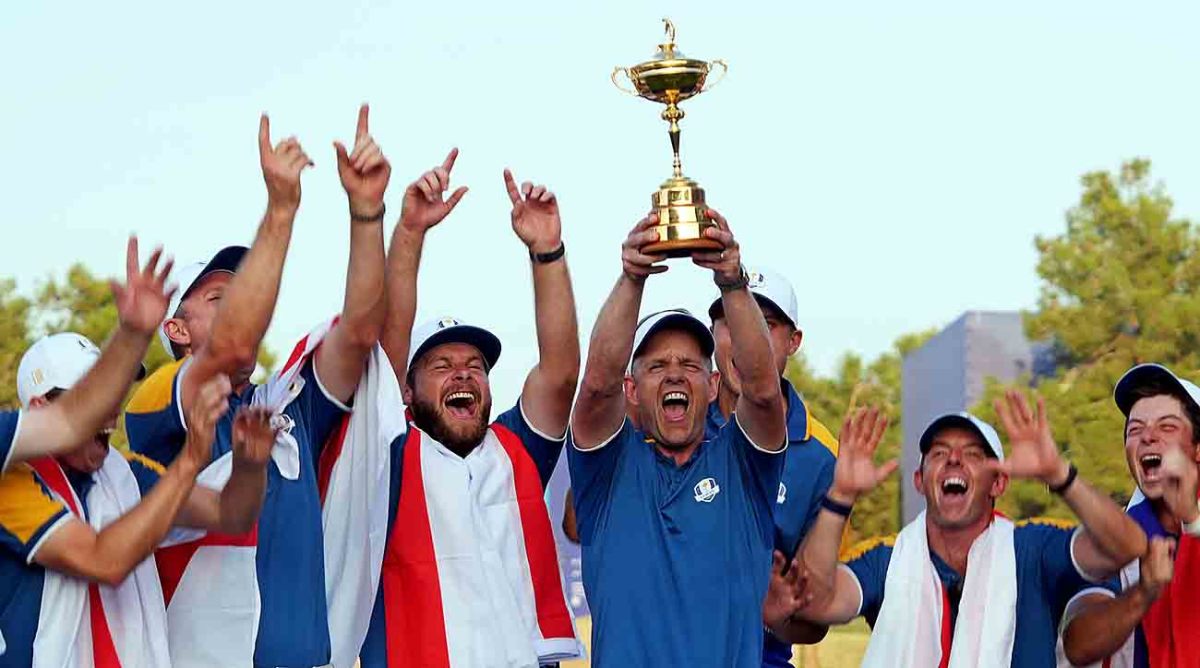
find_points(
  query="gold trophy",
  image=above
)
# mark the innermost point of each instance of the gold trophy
(670, 78)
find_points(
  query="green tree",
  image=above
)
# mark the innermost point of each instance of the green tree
(14, 339)
(1119, 287)
(855, 384)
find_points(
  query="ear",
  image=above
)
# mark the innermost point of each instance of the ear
(630, 388)
(794, 342)
(177, 331)
(999, 485)
(38, 402)
(406, 393)
(714, 385)
(919, 481)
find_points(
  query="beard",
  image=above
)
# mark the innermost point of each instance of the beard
(460, 438)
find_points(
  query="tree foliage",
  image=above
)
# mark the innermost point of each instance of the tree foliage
(1119, 287)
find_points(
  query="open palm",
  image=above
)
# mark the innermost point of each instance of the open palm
(856, 472)
(1032, 450)
(142, 301)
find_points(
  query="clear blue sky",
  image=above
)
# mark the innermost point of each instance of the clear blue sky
(895, 160)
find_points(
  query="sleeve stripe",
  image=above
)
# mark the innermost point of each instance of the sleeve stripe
(756, 446)
(132, 456)
(332, 399)
(63, 519)
(601, 444)
(1075, 562)
(534, 429)
(857, 585)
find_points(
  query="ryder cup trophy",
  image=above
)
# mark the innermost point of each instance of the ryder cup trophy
(670, 78)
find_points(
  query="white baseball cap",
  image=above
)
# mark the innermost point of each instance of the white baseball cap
(432, 333)
(56, 362)
(227, 260)
(963, 420)
(676, 318)
(1123, 393)
(770, 287)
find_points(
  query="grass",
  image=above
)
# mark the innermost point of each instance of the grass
(842, 648)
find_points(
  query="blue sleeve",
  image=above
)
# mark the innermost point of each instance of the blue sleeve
(592, 475)
(9, 421)
(316, 412)
(145, 470)
(820, 488)
(761, 469)
(27, 512)
(154, 419)
(541, 448)
(870, 568)
(1051, 547)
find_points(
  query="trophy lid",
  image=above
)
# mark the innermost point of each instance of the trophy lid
(669, 71)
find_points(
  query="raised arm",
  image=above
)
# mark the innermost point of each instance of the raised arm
(364, 172)
(425, 205)
(234, 509)
(760, 408)
(550, 386)
(84, 409)
(249, 302)
(109, 555)
(600, 408)
(1104, 624)
(1110, 538)
(835, 595)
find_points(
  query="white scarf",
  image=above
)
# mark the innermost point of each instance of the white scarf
(908, 632)
(133, 609)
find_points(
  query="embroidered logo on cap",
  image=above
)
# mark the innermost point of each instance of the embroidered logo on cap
(756, 279)
(706, 490)
(447, 322)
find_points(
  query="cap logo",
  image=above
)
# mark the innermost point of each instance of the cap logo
(756, 279)
(38, 376)
(447, 322)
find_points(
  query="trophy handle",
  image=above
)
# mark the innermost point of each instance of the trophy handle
(709, 85)
(625, 70)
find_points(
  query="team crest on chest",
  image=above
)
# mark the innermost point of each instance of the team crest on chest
(782, 495)
(706, 490)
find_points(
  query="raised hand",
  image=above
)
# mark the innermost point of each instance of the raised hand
(856, 473)
(425, 204)
(364, 170)
(281, 167)
(1157, 567)
(1180, 491)
(787, 592)
(725, 264)
(253, 436)
(636, 264)
(143, 300)
(534, 215)
(210, 404)
(1033, 453)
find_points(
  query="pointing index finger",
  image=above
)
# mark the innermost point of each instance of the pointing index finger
(361, 131)
(511, 186)
(448, 163)
(264, 136)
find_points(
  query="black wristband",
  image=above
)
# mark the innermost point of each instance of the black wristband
(373, 218)
(1072, 473)
(742, 281)
(552, 256)
(835, 507)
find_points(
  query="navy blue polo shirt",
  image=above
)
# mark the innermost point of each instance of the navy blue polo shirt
(676, 559)
(9, 421)
(807, 475)
(1047, 579)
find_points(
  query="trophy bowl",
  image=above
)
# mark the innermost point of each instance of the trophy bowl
(662, 81)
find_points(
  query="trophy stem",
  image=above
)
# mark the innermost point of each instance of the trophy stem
(673, 114)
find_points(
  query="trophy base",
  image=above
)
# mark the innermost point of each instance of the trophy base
(682, 218)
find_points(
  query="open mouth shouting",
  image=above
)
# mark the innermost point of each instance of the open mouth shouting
(463, 405)
(675, 405)
(1151, 464)
(954, 489)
